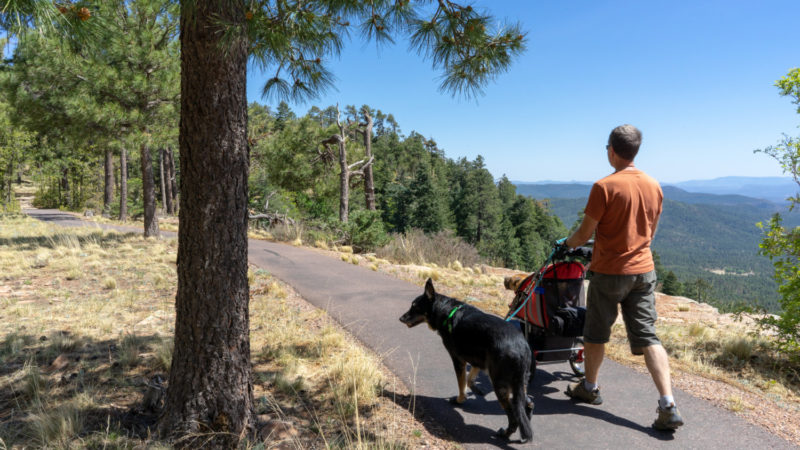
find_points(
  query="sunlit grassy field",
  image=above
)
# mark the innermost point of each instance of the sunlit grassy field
(86, 342)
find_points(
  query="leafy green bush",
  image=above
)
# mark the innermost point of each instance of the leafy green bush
(364, 230)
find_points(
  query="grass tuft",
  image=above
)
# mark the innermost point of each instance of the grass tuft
(355, 380)
(163, 354)
(738, 348)
(129, 349)
(58, 427)
(109, 283)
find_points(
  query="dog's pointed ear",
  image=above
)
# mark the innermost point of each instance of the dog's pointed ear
(429, 292)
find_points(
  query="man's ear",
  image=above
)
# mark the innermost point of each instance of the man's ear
(429, 292)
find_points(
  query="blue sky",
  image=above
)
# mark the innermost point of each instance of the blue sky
(696, 77)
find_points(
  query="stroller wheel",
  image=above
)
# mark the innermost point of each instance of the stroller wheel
(576, 363)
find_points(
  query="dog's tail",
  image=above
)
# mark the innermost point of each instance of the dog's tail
(523, 406)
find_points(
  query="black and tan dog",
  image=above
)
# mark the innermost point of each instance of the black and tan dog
(485, 342)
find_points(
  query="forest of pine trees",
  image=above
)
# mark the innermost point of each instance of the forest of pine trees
(85, 145)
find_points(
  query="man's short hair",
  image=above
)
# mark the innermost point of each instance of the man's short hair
(625, 140)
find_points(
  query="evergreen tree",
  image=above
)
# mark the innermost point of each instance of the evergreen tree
(525, 217)
(428, 203)
(671, 285)
(283, 115)
(507, 192)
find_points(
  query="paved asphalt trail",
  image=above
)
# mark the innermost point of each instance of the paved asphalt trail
(369, 304)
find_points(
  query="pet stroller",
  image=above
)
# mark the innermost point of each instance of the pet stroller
(549, 307)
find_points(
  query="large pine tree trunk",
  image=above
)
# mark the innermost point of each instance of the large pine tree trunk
(123, 184)
(369, 184)
(148, 193)
(108, 194)
(210, 384)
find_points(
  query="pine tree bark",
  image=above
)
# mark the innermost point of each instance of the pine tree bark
(210, 382)
(123, 184)
(108, 194)
(369, 184)
(148, 193)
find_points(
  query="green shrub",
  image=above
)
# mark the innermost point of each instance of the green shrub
(364, 230)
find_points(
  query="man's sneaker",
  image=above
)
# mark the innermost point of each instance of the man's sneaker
(579, 392)
(669, 419)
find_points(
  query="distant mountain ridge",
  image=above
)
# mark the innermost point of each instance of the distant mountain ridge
(773, 189)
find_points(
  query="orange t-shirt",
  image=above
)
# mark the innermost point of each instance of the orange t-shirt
(626, 205)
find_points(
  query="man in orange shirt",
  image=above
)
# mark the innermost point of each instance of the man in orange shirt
(623, 210)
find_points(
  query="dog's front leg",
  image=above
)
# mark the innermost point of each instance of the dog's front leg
(461, 375)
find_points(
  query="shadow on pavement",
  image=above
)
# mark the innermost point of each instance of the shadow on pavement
(449, 418)
(546, 405)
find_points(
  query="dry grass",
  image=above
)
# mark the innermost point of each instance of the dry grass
(76, 347)
(443, 248)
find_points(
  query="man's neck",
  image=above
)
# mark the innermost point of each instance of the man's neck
(628, 165)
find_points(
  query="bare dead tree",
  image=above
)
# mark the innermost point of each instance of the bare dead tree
(365, 128)
(346, 172)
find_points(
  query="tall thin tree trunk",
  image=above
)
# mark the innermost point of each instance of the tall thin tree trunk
(210, 381)
(108, 195)
(173, 179)
(344, 183)
(123, 184)
(167, 182)
(9, 178)
(148, 193)
(66, 198)
(163, 184)
(369, 184)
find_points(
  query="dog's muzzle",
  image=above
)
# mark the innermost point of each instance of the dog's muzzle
(410, 320)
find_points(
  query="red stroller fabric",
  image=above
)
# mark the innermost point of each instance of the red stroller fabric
(558, 287)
